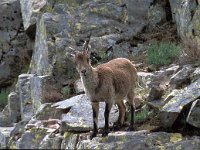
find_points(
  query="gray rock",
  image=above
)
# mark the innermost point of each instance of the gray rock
(173, 107)
(51, 142)
(156, 14)
(182, 14)
(69, 140)
(5, 119)
(43, 90)
(182, 76)
(140, 140)
(79, 118)
(196, 74)
(4, 136)
(15, 47)
(26, 102)
(31, 138)
(14, 106)
(156, 92)
(192, 117)
(144, 79)
(46, 111)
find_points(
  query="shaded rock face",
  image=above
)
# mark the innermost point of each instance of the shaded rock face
(15, 47)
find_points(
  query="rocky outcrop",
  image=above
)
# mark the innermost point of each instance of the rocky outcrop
(175, 105)
(186, 15)
(15, 47)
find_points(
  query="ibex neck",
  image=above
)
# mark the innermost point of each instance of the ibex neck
(90, 81)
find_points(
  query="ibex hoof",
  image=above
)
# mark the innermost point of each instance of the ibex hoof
(131, 128)
(105, 133)
(116, 126)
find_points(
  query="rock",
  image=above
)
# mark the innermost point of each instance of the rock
(194, 112)
(144, 79)
(79, 118)
(137, 12)
(173, 107)
(162, 77)
(69, 140)
(51, 142)
(196, 74)
(16, 133)
(31, 138)
(43, 90)
(156, 92)
(5, 119)
(140, 140)
(182, 12)
(26, 101)
(182, 76)
(46, 111)
(173, 93)
(194, 27)
(14, 106)
(156, 14)
(15, 46)
(4, 136)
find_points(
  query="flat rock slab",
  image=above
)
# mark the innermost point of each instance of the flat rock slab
(141, 140)
(4, 136)
(173, 107)
(79, 118)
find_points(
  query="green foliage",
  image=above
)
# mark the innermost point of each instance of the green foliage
(163, 53)
(65, 91)
(142, 115)
(3, 98)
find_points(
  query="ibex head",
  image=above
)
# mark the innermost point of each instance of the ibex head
(82, 59)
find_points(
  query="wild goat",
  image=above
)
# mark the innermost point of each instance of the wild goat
(110, 82)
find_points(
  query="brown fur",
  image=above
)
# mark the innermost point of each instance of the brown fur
(110, 82)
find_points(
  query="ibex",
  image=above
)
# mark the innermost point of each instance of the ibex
(110, 82)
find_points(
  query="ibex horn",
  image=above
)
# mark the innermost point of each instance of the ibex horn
(85, 46)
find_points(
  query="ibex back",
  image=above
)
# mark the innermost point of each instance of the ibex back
(110, 82)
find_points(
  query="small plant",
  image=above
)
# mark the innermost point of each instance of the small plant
(190, 51)
(163, 53)
(142, 115)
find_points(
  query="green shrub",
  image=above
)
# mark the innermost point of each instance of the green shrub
(163, 53)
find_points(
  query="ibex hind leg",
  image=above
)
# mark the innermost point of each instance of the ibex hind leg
(130, 97)
(122, 110)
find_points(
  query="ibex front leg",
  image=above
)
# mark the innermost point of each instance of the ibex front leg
(106, 115)
(95, 109)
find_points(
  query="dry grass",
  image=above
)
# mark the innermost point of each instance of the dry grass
(190, 51)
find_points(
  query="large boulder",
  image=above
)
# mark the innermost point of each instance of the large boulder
(15, 47)
(79, 117)
(176, 104)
